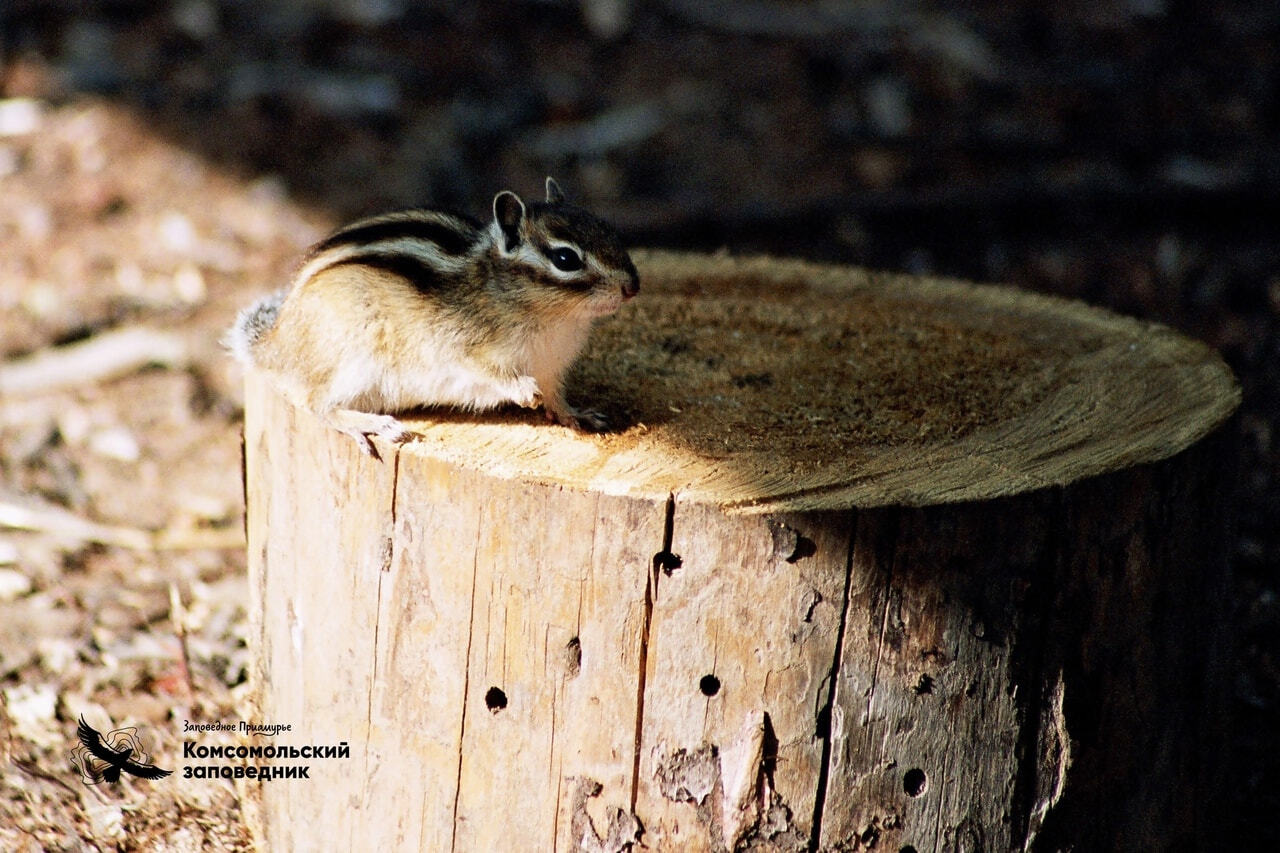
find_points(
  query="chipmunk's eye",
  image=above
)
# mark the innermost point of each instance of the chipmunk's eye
(565, 259)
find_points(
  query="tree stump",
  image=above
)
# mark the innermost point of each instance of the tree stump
(877, 562)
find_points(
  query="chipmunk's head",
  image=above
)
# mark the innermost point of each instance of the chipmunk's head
(574, 258)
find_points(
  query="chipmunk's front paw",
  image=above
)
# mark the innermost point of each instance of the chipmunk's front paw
(525, 392)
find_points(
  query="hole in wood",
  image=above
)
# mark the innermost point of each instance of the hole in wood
(789, 544)
(914, 782)
(805, 547)
(495, 700)
(573, 657)
(906, 848)
(667, 561)
(709, 685)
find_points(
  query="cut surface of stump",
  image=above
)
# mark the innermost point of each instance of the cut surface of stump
(786, 385)
(870, 560)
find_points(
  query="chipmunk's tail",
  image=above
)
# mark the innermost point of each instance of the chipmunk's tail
(251, 324)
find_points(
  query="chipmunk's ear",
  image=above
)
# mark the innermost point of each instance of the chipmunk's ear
(508, 213)
(554, 194)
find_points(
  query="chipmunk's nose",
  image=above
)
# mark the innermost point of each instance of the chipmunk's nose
(631, 286)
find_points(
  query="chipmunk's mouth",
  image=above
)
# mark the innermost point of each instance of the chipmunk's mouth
(602, 304)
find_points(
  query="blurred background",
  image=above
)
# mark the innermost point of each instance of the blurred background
(161, 161)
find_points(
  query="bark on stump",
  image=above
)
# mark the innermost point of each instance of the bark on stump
(879, 562)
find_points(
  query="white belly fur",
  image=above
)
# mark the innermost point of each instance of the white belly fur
(442, 376)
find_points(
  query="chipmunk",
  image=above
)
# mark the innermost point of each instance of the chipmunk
(421, 307)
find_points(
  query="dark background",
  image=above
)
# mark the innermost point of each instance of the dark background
(1122, 152)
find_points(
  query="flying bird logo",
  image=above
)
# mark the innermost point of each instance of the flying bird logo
(99, 758)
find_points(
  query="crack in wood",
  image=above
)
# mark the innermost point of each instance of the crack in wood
(466, 678)
(244, 482)
(395, 487)
(373, 678)
(824, 766)
(1028, 664)
(387, 557)
(945, 787)
(659, 564)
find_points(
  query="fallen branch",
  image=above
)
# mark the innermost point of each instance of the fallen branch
(104, 356)
(28, 513)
